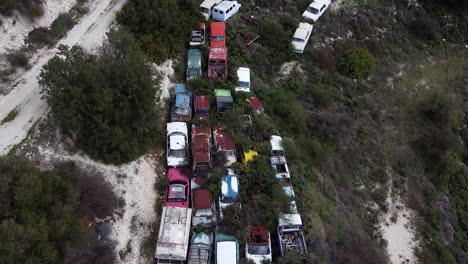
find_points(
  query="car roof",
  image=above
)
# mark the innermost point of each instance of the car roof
(259, 236)
(226, 4)
(300, 33)
(202, 101)
(276, 143)
(225, 140)
(243, 74)
(218, 53)
(318, 3)
(181, 88)
(230, 185)
(201, 143)
(201, 199)
(226, 252)
(222, 92)
(182, 100)
(255, 103)
(177, 142)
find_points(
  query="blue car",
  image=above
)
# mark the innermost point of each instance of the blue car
(182, 104)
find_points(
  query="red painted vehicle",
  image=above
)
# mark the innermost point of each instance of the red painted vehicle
(178, 189)
(202, 107)
(201, 145)
(224, 144)
(217, 64)
(218, 35)
(256, 105)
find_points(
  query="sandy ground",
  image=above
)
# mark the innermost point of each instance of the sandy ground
(398, 231)
(25, 96)
(15, 28)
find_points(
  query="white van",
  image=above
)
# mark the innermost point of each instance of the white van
(207, 7)
(243, 74)
(225, 10)
(316, 9)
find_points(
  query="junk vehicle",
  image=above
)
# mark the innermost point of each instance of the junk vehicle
(177, 144)
(174, 233)
(226, 249)
(217, 34)
(301, 37)
(178, 189)
(224, 144)
(201, 150)
(225, 10)
(229, 191)
(290, 235)
(181, 105)
(207, 7)
(256, 105)
(197, 36)
(201, 248)
(258, 247)
(204, 209)
(243, 75)
(217, 64)
(316, 9)
(224, 100)
(202, 107)
(277, 147)
(194, 68)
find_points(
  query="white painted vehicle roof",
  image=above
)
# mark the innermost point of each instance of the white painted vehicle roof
(226, 252)
(226, 5)
(177, 127)
(243, 74)
(319, 3)
(293, 218)
(276, 143)
(174, 232)
(177, 142)
(301, 31)
(209, 3)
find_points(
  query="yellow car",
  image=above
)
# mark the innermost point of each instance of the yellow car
(248, 156)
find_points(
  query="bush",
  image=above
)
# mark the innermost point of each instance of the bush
(35, 11)
(62, 24)
(153, 25)
(37, 213)
(40, 36)
(106, 103)
(18, 59)
(425, 27)
(356, 63)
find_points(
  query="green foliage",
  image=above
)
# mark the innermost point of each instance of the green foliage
(162, 27)
(356, 63)
(38, 213)
(289, 258)
(18, 59)
(62, 24)
(10, 116)
(31, 8)
(105, 102)
(40, 36)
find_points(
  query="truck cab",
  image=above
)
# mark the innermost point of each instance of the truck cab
(226, 249)
(200, 250)
(181, 106)
(174, 233)
(204, 209)
(224, 100)
(218, 34)
(202, 107)
(201, 149)
(217, 64)
(258, 247)
(194, 68)
(290, 235)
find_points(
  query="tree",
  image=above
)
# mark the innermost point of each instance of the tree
(356, 63)
(106, 102)
(37, 213)
(160, 26)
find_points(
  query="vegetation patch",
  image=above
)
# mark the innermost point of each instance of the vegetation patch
(10, 116)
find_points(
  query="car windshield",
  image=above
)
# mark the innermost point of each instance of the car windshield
(285, 180)
(205, 10)
(229, 153)
(313, 10)
(176, 193)
(217, 38)
(204, 212)
(181, 111)
(298, 40)
(244, 84)
(179, 153)
(193, 72)
(259, 250)
(229, 199)
(202, 111)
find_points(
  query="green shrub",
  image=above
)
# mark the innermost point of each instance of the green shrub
(18, 59)
(40, 36)
(62, 24)
(356, 63)
(105, 102)
(10, 116)
(35, 11)
(7, 6)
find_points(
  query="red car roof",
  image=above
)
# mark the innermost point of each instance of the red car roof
(201, 199)
(218, 53)
(218, 28)
(224, 139)
(202, 101)
(255, 103)
(259, 236)
(178, 174)
(201, 143)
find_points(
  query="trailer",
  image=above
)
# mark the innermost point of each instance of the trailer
(290, 235)
(174, 233)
